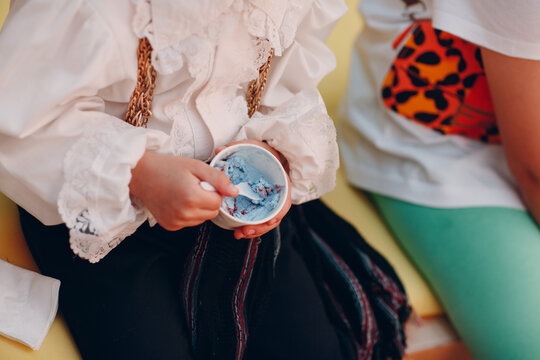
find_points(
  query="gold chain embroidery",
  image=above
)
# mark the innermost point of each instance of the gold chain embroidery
(140, 105)
(256, 87)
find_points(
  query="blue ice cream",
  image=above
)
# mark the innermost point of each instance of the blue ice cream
(241, 207)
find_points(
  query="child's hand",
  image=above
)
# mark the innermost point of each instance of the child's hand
(169, 186)
(251, 231)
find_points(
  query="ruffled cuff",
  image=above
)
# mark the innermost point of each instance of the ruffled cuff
(94, 201)
(303, 132)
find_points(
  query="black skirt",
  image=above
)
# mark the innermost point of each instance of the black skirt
(310, 289)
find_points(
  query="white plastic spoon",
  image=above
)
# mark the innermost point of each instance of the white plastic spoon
(243, 189)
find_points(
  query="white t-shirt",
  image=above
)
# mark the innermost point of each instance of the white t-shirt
(385, 152)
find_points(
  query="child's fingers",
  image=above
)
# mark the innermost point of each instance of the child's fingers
(208, 200)
(199, 216)
(192, 218)
(252, 231)
(217, 179)
(248, 232)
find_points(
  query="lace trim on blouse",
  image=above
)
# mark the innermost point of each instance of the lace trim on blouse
(94, 201)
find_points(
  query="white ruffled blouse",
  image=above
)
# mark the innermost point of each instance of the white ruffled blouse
(68, 68)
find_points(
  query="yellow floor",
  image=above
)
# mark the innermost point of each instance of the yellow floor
(4, 7)
(346, 201)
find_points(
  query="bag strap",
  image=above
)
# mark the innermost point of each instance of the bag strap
(140, 104)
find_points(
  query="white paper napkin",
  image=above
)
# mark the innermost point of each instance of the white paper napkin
(28, 304)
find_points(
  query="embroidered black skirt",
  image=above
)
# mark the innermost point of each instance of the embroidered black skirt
(311, 289)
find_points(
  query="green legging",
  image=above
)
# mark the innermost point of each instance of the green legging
(484, 265)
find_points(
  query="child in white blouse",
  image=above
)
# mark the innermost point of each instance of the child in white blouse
(67, 156)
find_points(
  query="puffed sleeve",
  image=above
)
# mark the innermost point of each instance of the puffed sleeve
(61, 156)
(293, 117)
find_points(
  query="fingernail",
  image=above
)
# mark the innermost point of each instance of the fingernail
(250, 232)
(233, 189)
(272, 222)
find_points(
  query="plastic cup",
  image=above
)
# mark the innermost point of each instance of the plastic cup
(268, 165)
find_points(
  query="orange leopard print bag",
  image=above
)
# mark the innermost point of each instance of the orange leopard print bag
(438, 80)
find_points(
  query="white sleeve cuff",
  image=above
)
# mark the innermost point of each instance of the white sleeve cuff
(28, 304)
(95, 202)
